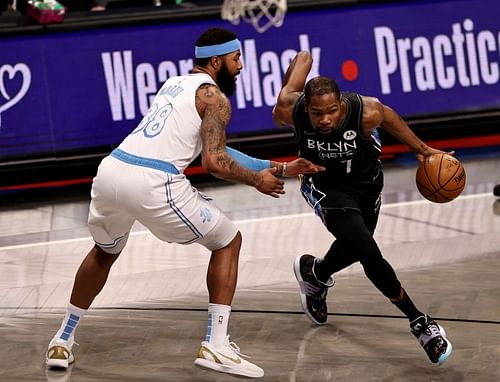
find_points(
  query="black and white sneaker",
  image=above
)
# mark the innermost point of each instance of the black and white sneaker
(312, 291)
(433, 339)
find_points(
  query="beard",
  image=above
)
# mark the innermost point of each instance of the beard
(226, 81)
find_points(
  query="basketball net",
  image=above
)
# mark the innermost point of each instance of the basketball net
(262, 14)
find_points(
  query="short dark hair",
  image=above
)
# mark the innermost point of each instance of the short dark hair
(213, 36)
(320, 85)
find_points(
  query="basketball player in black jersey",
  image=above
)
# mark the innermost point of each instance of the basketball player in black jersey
(339, 131)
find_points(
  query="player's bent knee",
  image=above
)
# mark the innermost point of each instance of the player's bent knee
(103, 256)
(367, 252)
(236, 242)
(222, 235)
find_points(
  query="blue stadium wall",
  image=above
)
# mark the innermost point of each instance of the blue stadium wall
(69, 93)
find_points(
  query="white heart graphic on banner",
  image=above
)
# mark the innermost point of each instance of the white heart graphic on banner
(8, 72)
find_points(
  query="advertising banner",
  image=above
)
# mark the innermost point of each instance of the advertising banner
(75, 91)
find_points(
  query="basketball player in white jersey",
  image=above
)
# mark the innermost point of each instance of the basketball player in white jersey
(143, 180)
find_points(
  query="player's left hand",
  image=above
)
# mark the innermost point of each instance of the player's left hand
(302, 166)
(431, 151)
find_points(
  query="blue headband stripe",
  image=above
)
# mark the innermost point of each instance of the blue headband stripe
(217, 50)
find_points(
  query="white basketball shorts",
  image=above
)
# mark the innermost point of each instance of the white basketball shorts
(167, 204)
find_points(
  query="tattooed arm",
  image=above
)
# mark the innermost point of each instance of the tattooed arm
(215, 111)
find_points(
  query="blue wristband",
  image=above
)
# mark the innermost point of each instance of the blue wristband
(247, 161)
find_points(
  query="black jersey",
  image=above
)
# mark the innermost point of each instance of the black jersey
(350, 158)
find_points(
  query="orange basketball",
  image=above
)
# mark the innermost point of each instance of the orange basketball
(440, 178)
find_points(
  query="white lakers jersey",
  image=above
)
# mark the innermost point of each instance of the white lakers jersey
(170, 131)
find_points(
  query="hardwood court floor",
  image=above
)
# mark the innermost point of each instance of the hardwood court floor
(150, 318)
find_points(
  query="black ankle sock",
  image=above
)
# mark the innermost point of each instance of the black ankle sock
(408, 308)
(319, 271)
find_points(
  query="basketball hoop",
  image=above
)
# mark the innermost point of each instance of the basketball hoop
(262, 14)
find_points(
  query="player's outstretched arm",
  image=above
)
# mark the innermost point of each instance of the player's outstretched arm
(293, 86)
(297, 167)
(376, 113)
(215, 111)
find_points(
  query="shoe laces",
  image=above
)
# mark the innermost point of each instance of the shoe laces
(432, 330)
(314, 291)
(426, 330)
(235, 348)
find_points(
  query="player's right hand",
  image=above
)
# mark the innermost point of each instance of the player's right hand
(270, 184)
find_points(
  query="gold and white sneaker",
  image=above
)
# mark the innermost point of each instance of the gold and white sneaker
(226, 359)
(59, 354)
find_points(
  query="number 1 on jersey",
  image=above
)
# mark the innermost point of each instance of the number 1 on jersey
(348, 165)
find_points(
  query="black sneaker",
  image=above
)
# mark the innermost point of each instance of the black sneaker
(433, 339)
(312, 291)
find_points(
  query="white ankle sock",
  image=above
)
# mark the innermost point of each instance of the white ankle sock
(71, 320)
(218, 319)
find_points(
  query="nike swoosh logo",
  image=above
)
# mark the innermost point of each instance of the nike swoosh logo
(235, 360)
(215, 355)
